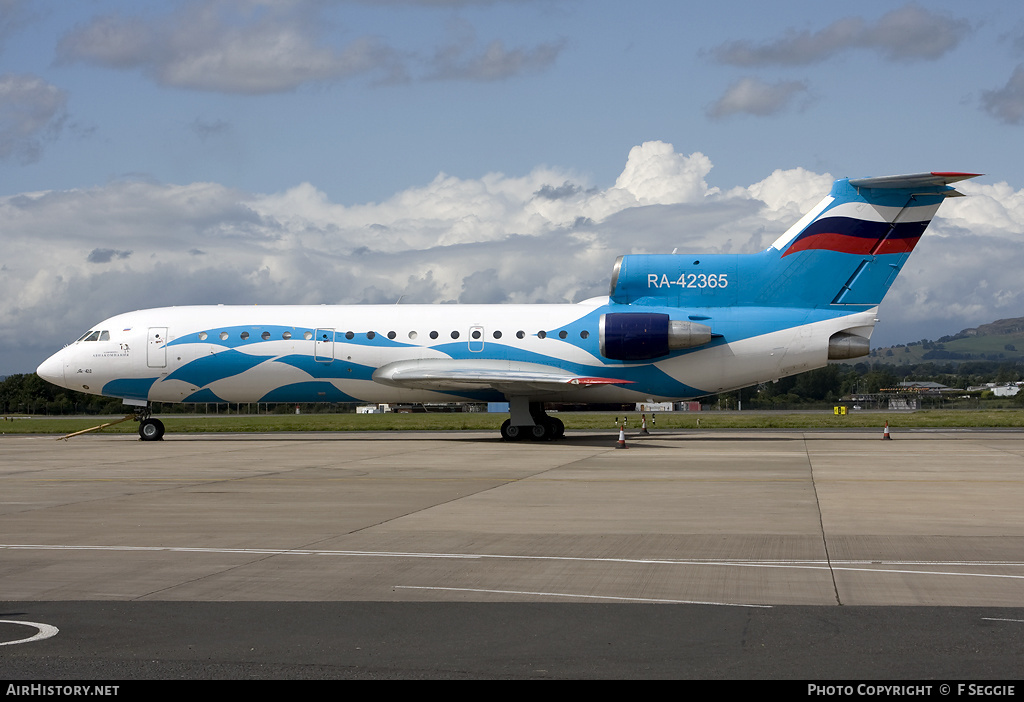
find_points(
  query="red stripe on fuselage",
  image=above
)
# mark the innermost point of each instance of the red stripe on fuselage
(600, 381)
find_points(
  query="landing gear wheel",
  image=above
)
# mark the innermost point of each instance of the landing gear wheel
(541, 432)
(559, 428)
(512, 433)
(151, 429)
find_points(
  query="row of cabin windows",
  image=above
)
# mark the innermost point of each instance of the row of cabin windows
(475, 334)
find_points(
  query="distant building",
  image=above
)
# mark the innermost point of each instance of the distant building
(653, 406)
(1004, 390)
(907, 395)
(924, 387)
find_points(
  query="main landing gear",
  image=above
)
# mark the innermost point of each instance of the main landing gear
(530, 422)
(149, 429)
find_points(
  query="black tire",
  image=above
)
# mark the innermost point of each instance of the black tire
(151, 429)
(512, 433)
(559, 427)
(541, 432)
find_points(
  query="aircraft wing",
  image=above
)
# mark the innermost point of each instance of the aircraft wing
(457, 375)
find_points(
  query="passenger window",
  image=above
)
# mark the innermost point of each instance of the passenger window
(349, 335)
(520, 335)
(562, 334)
(584, 334)
(244, 335)
(392, 335)
(433, 335)
(286, 335)
(413, 335)
(476, 333)
(307, 335)
(202, 336)
(542, 334)
(455, 335)
(223, 336)
(265, 336)
(497, 335)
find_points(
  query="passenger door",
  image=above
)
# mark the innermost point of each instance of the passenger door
(156, 347)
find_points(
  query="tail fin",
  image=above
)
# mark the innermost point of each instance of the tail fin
(875, 223)
(846, 251)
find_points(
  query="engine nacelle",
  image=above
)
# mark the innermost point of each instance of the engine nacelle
(641, 336)
(843, 345)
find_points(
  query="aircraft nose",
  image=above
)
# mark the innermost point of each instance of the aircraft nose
(52, 370)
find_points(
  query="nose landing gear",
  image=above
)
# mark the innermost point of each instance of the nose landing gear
(149, 429)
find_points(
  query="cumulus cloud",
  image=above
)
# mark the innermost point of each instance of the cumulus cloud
(32, 112)
(75, 257)
(259, 48)
(906, 34)
(1007, 103)
(754, 97)
(656, 174)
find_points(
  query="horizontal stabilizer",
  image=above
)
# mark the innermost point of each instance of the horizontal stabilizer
(916, 180)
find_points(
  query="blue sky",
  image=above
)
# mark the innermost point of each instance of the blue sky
(312, 151)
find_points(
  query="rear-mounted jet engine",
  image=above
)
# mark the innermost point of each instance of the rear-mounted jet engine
(640, 336)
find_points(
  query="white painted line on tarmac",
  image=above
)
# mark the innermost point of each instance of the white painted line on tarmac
(45, 631)
(574, 596)
(868, 566)
(996, 619)
(932, 572)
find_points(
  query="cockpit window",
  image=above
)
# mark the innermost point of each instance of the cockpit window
(95, 336)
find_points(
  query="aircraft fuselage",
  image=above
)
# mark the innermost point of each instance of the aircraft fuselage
(337, 353)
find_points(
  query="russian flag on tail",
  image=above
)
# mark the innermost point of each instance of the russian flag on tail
(872, 216)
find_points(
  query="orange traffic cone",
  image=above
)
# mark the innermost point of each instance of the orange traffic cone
(622, 438)
(885, 431)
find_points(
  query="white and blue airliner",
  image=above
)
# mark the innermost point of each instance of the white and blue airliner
(673, 327)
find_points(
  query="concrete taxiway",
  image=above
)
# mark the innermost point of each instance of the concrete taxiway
(739, 519)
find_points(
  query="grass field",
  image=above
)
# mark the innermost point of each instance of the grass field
(491, 422)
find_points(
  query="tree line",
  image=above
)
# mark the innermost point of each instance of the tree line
(841, 380)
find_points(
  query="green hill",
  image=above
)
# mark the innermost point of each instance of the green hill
(1002, 340)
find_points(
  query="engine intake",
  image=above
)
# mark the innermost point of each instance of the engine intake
(641, 336)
